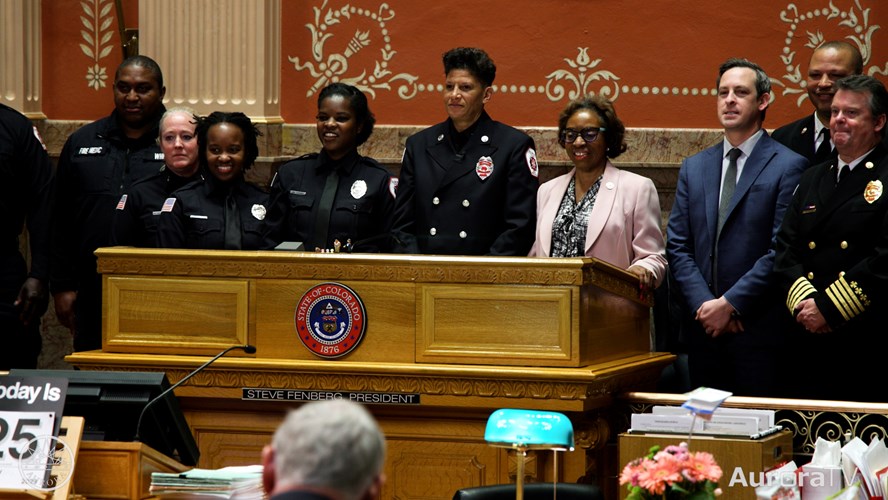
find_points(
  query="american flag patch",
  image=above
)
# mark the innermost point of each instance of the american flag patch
(122, 203)
(168, 205)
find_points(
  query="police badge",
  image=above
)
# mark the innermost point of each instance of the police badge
(330, 320)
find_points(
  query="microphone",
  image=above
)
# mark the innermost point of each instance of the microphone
(249, 349)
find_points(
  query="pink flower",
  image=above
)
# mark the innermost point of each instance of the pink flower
(702, 467)
(672, 473)
(660, 474)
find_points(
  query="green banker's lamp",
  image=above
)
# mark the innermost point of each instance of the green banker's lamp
(524, 430)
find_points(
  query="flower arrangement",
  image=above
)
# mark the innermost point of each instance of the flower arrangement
(673, 473)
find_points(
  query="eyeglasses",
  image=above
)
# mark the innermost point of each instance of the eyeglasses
(588, 134)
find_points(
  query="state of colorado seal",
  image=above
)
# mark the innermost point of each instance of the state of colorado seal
(330, 320)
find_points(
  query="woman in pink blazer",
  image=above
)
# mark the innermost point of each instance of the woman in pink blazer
(597, 210)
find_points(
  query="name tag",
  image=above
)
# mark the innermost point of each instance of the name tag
(90, 151)
(300, 193)
(198, 216)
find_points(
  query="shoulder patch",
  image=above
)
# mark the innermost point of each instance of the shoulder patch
(532, 164)
(122, 203)
(393, 186)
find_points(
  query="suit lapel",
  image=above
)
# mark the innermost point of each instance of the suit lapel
(805, 139)
(604, 202)
(712, 170)
(761, 155)
(853, 185)
(466, 161)
(550, 210)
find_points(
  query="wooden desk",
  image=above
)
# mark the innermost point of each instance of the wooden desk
(468, 335)
(750, 456)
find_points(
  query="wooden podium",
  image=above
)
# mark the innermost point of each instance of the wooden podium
(463, 336)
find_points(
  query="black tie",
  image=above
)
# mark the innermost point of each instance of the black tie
(232, 223)
(824, 150)
(325, 207)
(844, 170)
(728, 186)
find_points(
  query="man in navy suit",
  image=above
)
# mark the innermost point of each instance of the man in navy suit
(729, 203)
(809, 136)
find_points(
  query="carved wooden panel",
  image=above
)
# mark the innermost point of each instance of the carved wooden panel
(496, 325)
(187, 315)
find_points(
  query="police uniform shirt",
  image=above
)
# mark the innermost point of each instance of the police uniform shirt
(476, 200)
(135, 219)
(97, 165)
(361, 212)
(194, 216)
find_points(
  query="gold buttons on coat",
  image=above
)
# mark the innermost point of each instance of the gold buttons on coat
(810, 276)
(433, 231)
(466, 203)
(843, 245)
(435, 200)
(812, 245)
(462, 234)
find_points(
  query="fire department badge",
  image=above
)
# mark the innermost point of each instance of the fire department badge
(330, 320)
(873, 191)
(484, 167)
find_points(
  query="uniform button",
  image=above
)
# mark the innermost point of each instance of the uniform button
(810, 276)
(812, 245)
(433, 231)
(435, 200)
(842, 274)
(462, 234)
(843, 245)
(466, 203)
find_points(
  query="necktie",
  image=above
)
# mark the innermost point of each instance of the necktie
(325, 207)
(728, 186)
(824, 150)
(232, 223)
(844, 170)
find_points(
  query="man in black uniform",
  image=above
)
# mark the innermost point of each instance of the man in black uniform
(135, 220)
(467, 185)
(25, 194)
(100, 162)
(809, 136)
(832, 253)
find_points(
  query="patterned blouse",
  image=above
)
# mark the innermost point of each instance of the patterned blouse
(569, 227)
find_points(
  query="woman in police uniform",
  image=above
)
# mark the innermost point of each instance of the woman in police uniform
(336, 195)
(224, 211)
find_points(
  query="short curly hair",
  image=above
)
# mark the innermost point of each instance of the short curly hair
(473, 60)
(236, 118)
(615, 130)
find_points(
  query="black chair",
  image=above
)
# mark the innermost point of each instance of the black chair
(532, 491)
